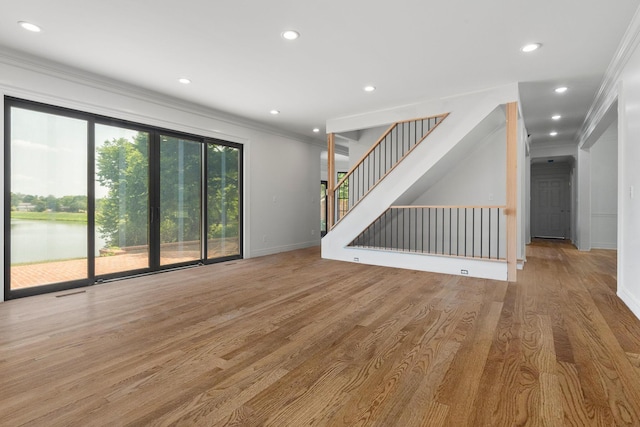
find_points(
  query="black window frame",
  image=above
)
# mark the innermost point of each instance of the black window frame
(153, 188)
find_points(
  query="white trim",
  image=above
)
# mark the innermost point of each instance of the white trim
(608, 92)
(286, 248)
(604, 245)
(620, 261)
(630, 301)
(479, 268)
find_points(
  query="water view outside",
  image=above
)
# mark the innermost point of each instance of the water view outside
(68, 240)
(48, 183)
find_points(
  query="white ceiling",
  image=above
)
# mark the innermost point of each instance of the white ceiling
(411, 50)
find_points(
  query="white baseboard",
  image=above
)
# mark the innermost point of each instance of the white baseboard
(600, 245)
(472, 267)
(277, 249)
(630, 301)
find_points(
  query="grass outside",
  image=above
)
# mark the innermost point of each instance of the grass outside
(19, 264)
(51, 216)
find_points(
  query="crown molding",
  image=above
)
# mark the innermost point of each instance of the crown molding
(608, 92)
(57, 70)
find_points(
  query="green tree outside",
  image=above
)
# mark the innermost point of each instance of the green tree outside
(122, 168)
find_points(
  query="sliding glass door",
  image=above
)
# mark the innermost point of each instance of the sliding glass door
(223, 200)
(180, 192)
(121, 199)
(92, 198)
(47, 210)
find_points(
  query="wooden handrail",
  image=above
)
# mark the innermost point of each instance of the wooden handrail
(450, 207)
(384, 135)
(364, 156)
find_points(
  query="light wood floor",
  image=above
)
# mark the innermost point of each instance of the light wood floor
(294, 340)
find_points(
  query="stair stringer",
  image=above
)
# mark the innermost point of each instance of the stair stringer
(466, 112)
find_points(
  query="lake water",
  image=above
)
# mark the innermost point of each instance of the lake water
(33, 241)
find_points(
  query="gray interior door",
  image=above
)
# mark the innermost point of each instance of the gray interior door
(550, 203)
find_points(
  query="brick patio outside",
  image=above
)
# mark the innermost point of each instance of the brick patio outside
(28, 275)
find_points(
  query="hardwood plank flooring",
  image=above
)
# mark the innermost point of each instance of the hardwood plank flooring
(295, 340)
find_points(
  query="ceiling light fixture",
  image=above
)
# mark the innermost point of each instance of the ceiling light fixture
(274, 112)
(554, 133)
(184, 80)
(290, 34)
(561, 89)
(316, 130)
(29, 26)
(531, 47)
(556, 117)
(369, 88)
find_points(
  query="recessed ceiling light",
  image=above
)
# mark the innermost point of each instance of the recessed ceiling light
(556, 117)
(274, 112)
(369, 88)
(554, 133)
(561, 89)
(316, 130)
(184, 80)
(531, 47)
(29, 26)
(290, 34)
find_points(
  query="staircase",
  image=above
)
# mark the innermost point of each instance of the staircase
(384, 155)
(373, 218)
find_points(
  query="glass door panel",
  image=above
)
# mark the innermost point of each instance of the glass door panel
(223, 201)
(122, 200)
(180, 195)
(48, 198)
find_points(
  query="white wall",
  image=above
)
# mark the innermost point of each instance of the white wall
(281, 198)
(583, 200)
(629, 184)
(477, 179)
(604, 184)
(367, 137)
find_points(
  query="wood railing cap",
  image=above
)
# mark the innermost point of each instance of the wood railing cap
(450, 207)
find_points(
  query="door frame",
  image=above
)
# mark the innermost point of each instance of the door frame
(153, 197)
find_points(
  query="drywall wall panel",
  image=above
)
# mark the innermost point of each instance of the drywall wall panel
(604, 185)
